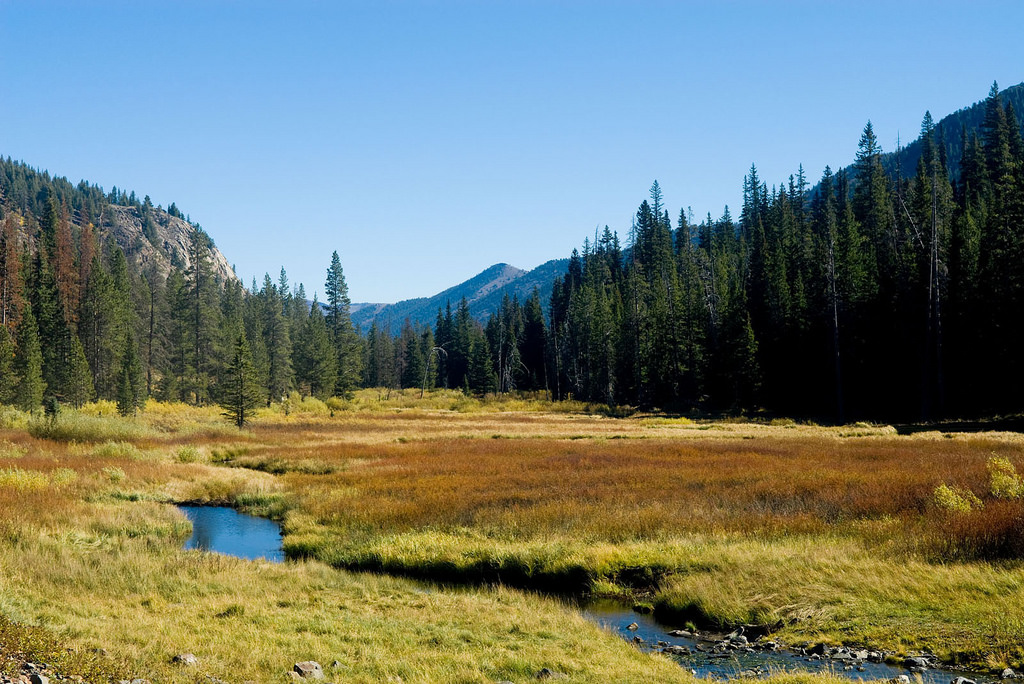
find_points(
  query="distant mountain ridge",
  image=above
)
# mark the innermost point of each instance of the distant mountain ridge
(483, 292)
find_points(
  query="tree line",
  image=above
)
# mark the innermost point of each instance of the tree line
(878, 293)
(79, 322)
(874, 294)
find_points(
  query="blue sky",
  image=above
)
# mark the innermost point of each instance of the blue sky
(427, 140)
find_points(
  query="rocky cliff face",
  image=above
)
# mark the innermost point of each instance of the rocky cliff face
(170, 248)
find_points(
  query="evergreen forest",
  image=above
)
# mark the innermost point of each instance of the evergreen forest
(882, 292)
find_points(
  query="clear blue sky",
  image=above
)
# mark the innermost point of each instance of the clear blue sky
(427, 140)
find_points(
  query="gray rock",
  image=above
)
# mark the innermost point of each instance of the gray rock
(685, 633)
(37, 678)
(1008, 673)
(185, 659)
(738, 639)
(916, 661)
(860, 655)
(900, 679)
(638, 639)
(632, 626)
(140, 681)
(309, 669)
(963, 680)
(676, 650)
(547, 673)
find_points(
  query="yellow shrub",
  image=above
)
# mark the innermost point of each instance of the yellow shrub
(955, 499)
(23, 480)
(1004, 482)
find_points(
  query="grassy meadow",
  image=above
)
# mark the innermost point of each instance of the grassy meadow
(849, 535)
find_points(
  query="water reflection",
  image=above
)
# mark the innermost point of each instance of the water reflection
(225, 530)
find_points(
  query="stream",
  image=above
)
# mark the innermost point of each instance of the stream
(225, 530)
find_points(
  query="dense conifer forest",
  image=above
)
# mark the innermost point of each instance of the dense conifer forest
(881, 292)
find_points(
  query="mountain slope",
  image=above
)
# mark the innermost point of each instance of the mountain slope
(117, 215)
(950, 129)
(483, 292)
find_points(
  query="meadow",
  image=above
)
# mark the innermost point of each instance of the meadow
(849, 534)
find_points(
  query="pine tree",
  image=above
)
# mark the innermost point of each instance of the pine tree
(339, 325)
(277, 337)
(79, 388)
(129, 388)
(480, 377)
(28, 363)
(11, 281)
(317, 364)
(242, 392)
(8, 377)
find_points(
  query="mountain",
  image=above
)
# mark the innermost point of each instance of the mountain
(483, 292)
(152, 238)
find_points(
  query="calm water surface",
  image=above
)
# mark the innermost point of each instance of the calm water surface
(225, 530)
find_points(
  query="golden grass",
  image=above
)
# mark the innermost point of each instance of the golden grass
(834, 533)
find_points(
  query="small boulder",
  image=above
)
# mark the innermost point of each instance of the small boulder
(684, 633)
(37, 678)
(676, 650)
(309, 669)
(916, 662)
(900, 679)
(185, 659)
(963, 680)
(632, 627)
(1008, 673)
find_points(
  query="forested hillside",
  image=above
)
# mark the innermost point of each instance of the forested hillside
(881, 292)
(103, 295)
(873, 296)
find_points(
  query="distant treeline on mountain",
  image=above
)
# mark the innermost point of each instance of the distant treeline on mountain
(890, 290)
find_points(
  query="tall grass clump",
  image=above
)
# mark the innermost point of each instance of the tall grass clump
(188, 454)
(23, 480)
(13, 419)
(74, 426)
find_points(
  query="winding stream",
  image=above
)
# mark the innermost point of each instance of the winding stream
(225, 530)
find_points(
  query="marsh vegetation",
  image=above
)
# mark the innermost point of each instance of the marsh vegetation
(849, 535)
